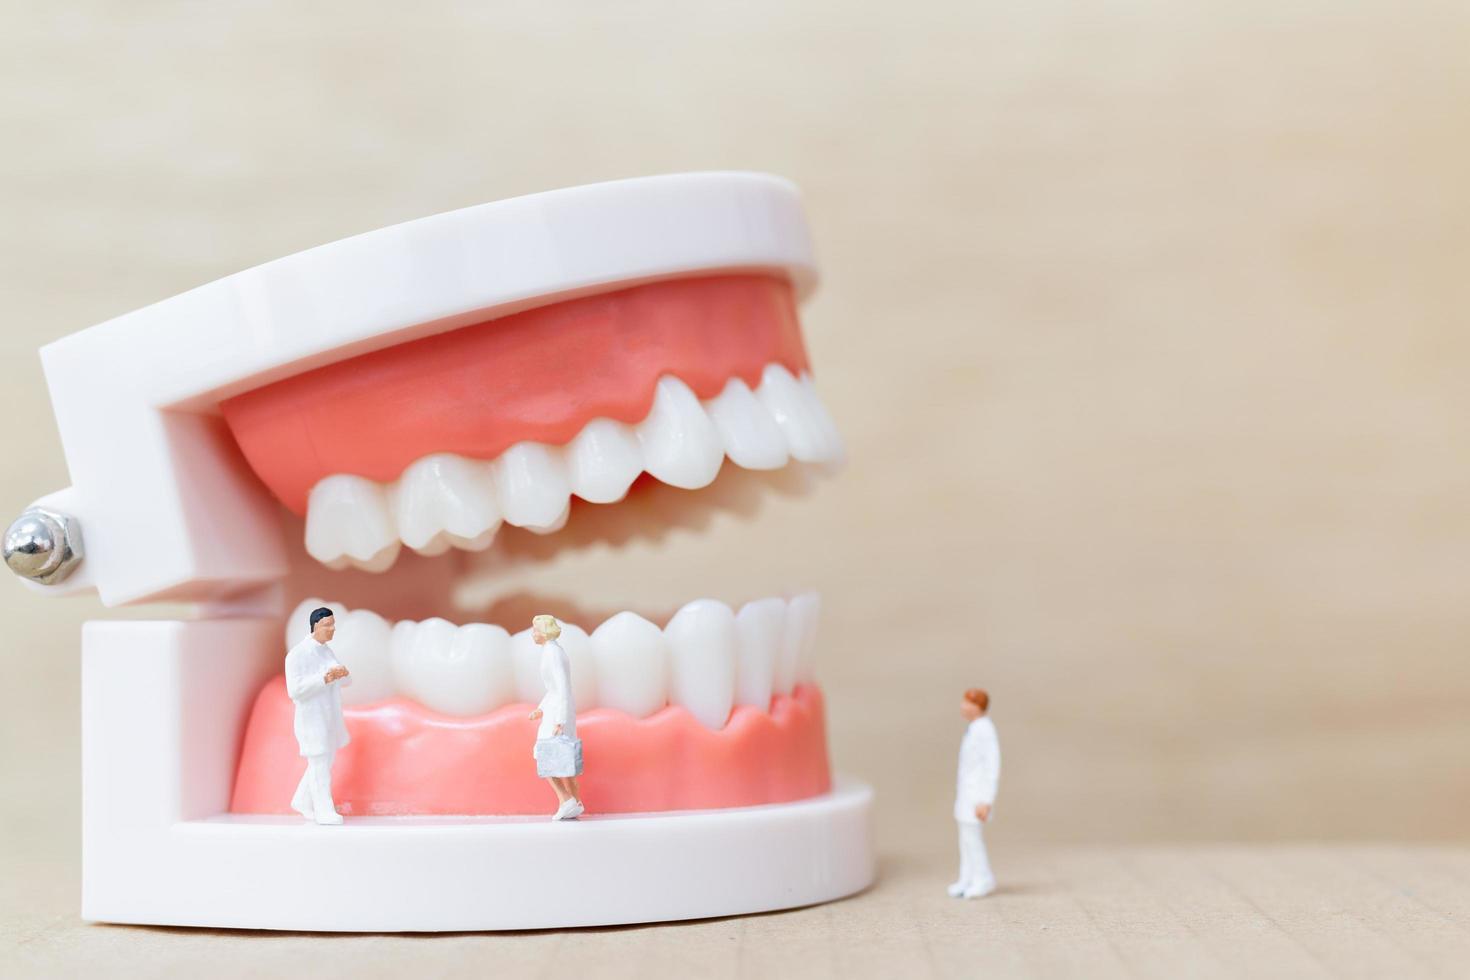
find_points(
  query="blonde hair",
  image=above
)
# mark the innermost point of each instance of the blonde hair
(546, 625)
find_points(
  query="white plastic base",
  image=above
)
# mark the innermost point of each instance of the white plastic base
(163, 708)
(405, 874)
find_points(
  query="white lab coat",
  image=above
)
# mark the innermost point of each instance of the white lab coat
(979, 773)
(319, 726)
(556, 707)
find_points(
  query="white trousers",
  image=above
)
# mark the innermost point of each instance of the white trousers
(314, 792)
(974, 862)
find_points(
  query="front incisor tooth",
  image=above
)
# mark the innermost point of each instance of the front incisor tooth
(631, 659)
(680, 444)
(444, 494)
(782, 396)
(832, 449)
(760, 627)
(532, 484)
(603, 461)
(805, 610)
(798, 637)
(702, 644)
(347, 516)
(750, 435)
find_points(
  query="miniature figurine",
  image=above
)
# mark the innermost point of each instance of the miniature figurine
(975, 795)
(314, 679)
(558, 751)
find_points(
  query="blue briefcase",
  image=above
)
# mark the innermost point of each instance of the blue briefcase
(560, 755)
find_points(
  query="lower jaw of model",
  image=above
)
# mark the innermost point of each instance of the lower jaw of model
(552, 443)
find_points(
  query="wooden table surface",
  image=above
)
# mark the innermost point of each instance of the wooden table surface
(1299, 910)
(1145, 324)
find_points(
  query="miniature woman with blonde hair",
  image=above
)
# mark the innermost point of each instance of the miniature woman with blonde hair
(558, 751)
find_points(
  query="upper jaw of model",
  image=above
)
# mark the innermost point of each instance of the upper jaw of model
(445, 500)
(435, 443)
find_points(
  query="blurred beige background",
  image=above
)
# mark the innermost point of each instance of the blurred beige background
(1145, 322)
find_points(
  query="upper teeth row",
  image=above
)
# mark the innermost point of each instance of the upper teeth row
(445, 500)
(707, 659)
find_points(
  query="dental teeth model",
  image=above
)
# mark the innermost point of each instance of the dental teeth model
(357, 422)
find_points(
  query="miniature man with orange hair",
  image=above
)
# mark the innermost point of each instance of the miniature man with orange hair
(975, 794)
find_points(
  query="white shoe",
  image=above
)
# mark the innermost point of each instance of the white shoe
(302, 805)
(329, 819)
(980, 890)
(957, 889)
(576, 811)
(563, 810)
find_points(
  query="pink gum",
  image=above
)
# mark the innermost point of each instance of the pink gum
(405, 759)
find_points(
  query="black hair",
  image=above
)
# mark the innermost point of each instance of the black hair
(318, 614)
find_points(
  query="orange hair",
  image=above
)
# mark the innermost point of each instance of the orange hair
(978, 698)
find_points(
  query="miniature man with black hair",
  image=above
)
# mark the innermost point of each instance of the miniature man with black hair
(314, 679)
(979, 776)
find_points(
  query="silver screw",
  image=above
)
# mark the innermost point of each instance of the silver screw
(43, 545)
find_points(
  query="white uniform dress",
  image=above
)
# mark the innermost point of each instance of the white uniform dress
(556, 707)
(320, 729)
(979, 777)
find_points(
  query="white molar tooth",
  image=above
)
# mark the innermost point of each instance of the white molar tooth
(444, 494)
(526, 666)
(410, 645)
(380, 562)
(760, 626)
(680, 444)
(702, 650)
(802, 615)
(631, 661)
(603, 461)
(348, 516)
(832, 448)
(462, 670)
(557, 524)
(749, 433)
(532, 483)
(400, 656)
(782, 396)
(478, 543)
(578, 645)
(437, 545)
(361, 643)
